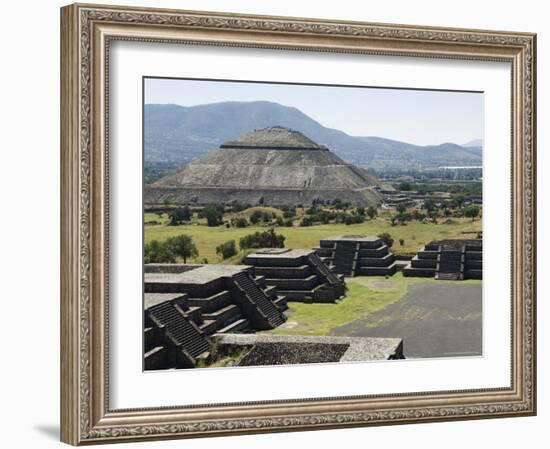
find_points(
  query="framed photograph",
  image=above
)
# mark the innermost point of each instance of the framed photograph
(280, 224)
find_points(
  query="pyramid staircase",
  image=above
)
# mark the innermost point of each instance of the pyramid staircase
(179, 329)
(257, 296)
(357, 256)
(320, 266)
(345, 257)
(450, 265)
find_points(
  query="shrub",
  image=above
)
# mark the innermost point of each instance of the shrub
(266, 239)
(312, 210)
(429, 205)
(372, 212)
(403, 217)
(387, 239)
(289, 222)
(227, 249)
(240, 222)
(417, 215)
(289, 213)
(472, 211)
(256, 216)
(401, 242)
(405, 186)
(306, 221)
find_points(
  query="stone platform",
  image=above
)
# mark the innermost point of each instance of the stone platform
(297, 275)
(185, 304)
(357, 255)
(285, 350)
(448, 260)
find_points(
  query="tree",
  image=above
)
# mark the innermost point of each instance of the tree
(472, 211)
(157, 252)
(371, 212)
(403, 217)
(227, 249)
(179, 215)
(458, 200)
(182, 246)
(401, 208)
(214, 215)
(429, 205)
(266, 239)
(361, 211)
(387, 238)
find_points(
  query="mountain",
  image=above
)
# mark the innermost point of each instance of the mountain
(176, 135)
(473, 143)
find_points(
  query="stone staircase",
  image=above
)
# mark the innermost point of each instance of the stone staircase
(357, 256)
(258, 297)
(449, 265)
(345, 254)
(324, 270)
(180, 329)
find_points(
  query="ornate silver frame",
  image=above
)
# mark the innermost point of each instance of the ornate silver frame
(86, 33)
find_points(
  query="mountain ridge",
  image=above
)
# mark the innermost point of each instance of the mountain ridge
(177, 135)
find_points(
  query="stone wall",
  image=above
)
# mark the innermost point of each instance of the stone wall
(254, 197)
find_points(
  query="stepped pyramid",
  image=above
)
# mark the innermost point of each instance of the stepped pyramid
(271, 166)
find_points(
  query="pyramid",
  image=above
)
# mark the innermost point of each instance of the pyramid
(272, 166)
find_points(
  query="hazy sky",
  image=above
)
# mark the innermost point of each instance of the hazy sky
(415, 116)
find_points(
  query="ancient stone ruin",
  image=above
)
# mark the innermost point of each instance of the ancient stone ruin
(356, 255)
(260, 350)
(448, 260)
(297, 275)
(271, 166)
(185, 305)
(192, 311)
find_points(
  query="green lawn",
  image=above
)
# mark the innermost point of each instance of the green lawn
(366, 294)
(415, 234)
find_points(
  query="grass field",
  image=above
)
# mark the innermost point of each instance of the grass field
(414, 234)
(365, 295)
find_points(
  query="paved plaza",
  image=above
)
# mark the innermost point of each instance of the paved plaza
(441, 319)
